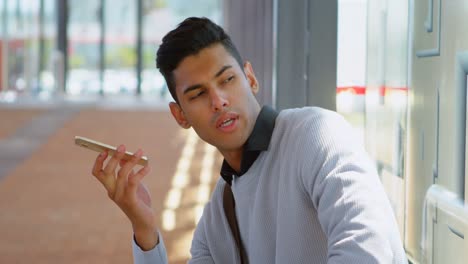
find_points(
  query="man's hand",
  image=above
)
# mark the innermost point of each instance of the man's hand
(124, 187)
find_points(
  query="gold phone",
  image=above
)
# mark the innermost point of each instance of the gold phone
(101, 147)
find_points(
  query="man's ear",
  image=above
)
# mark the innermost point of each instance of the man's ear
(249, 73)
(179, 115)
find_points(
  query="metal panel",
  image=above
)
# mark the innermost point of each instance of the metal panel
(304, 61)
(422, 126)
(291, 58)
(62, 43)
(322, 49)
(139, 45)
(445, 230)
(437, 119)
(250, 25)
(432, 49)
(306, 53)
(102, 45)
(466, 150)
(4, 47)
(41, 51)
(454, 163)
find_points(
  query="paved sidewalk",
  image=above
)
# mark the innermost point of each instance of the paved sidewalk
(54, 211)
(11, 120)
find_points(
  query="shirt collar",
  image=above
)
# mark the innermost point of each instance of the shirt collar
(258, 141)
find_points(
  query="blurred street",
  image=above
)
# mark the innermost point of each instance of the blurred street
(54, 211)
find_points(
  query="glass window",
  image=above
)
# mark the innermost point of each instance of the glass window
(120, 40)
(120, 51)
(23, 43)
(2, 45)
(351, 62)
(84, 36)
(387, 101)
(159, 17)
(49, 39)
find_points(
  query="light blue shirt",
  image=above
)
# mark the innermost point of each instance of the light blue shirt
(313, 197)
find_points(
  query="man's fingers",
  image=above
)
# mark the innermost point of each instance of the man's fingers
(129, 164)
(135, 178)
(137, 189)
(122, 176)
(106, 181)
(126, 181)
(97, 168)
(114, 161)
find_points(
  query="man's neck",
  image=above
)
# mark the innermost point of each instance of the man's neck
(233, 158)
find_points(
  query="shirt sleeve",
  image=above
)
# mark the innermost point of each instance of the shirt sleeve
(157, 255)
(344, 187)
(199, 249)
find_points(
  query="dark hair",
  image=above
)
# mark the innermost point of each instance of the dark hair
(189, 38)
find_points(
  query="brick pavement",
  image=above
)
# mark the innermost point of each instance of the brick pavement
(12, 119)
(54, 211)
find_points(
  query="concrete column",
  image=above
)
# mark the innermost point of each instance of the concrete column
(306, 53)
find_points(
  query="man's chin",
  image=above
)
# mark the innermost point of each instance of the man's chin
(229, 146)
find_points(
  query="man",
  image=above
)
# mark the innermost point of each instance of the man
(304, 190)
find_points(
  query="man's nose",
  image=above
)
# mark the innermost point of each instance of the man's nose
(218, 100)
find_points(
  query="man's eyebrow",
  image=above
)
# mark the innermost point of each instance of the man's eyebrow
(198, 86)
(193, 87)
(224, 68)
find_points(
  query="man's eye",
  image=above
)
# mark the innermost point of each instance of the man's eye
(229, 79)
(197, 95)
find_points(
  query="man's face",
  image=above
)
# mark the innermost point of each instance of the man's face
(216, 98)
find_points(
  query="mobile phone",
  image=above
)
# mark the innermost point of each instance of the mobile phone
(101, 147)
